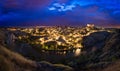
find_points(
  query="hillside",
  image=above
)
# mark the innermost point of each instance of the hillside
(11, 61)
(100, 58)
(20, 50)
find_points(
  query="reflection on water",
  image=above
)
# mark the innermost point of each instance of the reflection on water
(77, 52)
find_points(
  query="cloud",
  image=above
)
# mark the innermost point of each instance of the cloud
(60, 12)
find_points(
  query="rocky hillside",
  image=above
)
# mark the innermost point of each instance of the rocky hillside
(100, 58)
(11, 61)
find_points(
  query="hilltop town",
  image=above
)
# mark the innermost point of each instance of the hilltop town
(78, 48)
(60, 36)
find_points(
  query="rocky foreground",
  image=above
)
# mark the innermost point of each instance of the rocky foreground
(11, 61)
(100, 52)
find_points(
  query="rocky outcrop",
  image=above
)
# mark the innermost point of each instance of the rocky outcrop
(105, 58)
(113, 42)
(95, 39)
(113, 67)
(11, 61)
(15, 62)
(111, 50)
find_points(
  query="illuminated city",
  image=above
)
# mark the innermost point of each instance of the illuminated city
(59, 35)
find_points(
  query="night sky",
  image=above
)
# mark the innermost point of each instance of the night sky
(59, 12)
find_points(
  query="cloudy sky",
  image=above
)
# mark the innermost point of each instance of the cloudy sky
(59, 12)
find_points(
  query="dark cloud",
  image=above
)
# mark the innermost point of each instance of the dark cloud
(35, 12)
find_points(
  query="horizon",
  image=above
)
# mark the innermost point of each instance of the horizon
(39, 26)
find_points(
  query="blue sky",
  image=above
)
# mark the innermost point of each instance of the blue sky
(59, 12)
